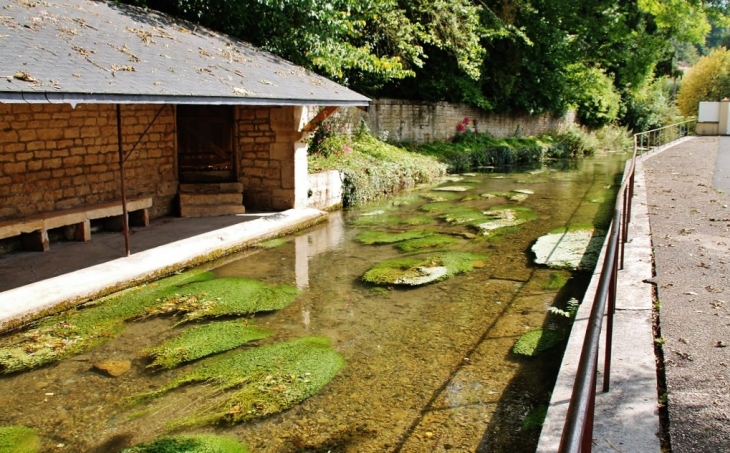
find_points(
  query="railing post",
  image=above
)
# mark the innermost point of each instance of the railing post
(611, 309)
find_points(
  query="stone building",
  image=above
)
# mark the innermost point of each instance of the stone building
(107, 108)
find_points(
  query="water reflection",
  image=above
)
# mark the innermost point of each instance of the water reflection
(429, 369)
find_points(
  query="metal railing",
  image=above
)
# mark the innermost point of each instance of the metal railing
(578, 428)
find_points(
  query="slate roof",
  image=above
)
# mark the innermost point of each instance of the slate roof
(77, 51)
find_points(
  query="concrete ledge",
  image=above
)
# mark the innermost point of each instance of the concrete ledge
(24, 303)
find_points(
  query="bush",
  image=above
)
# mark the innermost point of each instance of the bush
(708, 80)
(595, 96)
(372, 169)
(649, 107)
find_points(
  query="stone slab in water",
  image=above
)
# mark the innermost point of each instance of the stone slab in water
(576, 249)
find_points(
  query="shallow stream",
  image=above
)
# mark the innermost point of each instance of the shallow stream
(429, 369)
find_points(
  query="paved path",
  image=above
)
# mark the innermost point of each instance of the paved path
(690, 224)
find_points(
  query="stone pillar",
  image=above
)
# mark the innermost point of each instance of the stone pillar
(289, 153)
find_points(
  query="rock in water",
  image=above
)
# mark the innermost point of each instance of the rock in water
(574, 249)
(112, 368)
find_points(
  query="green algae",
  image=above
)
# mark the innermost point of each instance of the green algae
(535, 418)
(434, 241)
(271, 244)
(372, 220)
(383, 237)
(259, 381)
(556, 280)
(441, 196)
(200, 443)
(19, 439)
(418, 220)
(437, 206)
(229, 296)
(536, 341)
(205, 340)
(503, 219)
(416, 271)
(78, 330)
(464, 216)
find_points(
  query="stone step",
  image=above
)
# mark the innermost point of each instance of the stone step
(208, 199)
(210, 210)
(222, 187)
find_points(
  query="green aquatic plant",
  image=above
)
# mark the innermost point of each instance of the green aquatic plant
(259, 381)
(384, 237)
(535, 341)
(437, 240)
(464, 216)
(271, 244)
(199, 443)
(535, 419)
(205, 340)
(19, 439)
(418, 271)
(418, 220)
(77, 330)
(556, 280)
(437, 206)
(379, 219)
(228, 296)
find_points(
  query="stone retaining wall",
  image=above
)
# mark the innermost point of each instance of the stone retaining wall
(422, 122)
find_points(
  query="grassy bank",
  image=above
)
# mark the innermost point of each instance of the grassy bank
(371, 169)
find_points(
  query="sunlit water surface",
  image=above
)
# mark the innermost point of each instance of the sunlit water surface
(429, 369)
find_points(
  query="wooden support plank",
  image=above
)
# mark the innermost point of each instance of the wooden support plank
(321, 116)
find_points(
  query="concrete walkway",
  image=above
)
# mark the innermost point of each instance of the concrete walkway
(73, 272)
(674, 208)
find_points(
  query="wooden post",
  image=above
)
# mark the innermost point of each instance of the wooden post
(125, 221)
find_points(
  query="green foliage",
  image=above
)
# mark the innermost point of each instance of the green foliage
(594, 95)
(417, 271)
(437, 240)
(202, 341)
(571, 142)
(75, 331)
(375, 169)
(200, 443)
(709, 80)
(382, 237)
(650, 106)
(258, 382)
(19, 439)
(536, 341)
(471, 150)
(570, 311)
(225, 297)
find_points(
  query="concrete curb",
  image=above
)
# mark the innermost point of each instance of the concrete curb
(21, 304)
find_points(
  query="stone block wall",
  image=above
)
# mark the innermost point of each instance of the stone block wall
(423, 122)
(54, 157)
(273, 167)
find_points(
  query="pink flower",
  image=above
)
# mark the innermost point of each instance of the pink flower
(466, 120)
(460, 127)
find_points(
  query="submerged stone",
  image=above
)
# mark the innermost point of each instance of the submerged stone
(417, 271)
(257, 382)
(505, 217)
(199, 443)
(19, 439)
(113, 368)
(418, 220)
(518, 197)
(572, 249)
(452, 189)
(535, 341)
(524, 191)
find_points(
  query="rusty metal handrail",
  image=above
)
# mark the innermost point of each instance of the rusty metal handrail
(578, 428)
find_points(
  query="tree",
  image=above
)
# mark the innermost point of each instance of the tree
(709, 80)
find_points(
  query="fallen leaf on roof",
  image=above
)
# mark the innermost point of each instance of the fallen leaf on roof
(116, 67)
(25, 76)
(241, 91)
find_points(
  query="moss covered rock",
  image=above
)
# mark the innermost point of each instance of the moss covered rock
(205, 340)
(418, 271)
(259, 381)
(535, 341)
(504, 217)
(202, 443)
(19, 439)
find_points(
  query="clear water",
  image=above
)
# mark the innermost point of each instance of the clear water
(429, 369)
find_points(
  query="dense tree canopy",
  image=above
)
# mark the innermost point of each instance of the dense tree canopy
(599, 56)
